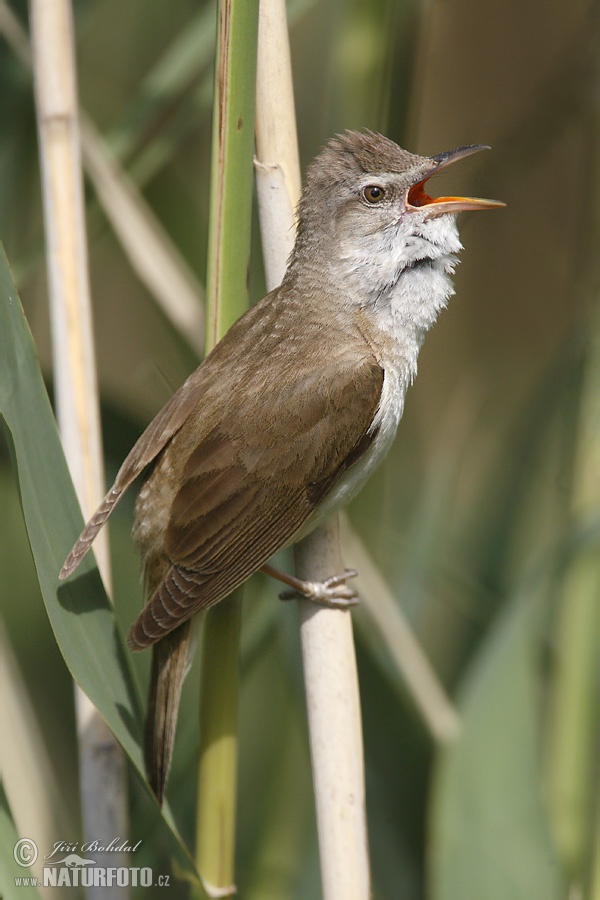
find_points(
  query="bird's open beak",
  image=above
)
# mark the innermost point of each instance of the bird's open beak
(437, 206)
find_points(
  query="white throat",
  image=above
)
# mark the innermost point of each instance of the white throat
(403, 276)
(405, 280)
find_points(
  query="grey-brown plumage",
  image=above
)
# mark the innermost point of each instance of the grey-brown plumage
(288, 415)
(243, 492)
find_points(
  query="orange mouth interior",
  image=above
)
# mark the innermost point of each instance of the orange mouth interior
(417, 196)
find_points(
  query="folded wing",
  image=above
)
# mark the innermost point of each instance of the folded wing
(240, 502)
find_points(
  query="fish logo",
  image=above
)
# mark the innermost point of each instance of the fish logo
(72, 861)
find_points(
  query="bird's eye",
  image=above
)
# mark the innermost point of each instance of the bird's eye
(373, 193)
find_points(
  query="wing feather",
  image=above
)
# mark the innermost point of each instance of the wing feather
(231, 512)
(171, 418)
(153, 440)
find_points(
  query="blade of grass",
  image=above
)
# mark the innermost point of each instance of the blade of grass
(227, 298)
(81, 616)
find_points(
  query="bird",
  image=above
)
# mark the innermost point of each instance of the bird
(286, 418)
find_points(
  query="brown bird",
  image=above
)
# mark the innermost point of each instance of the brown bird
(286, 418)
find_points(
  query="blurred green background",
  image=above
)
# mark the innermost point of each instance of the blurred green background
(484, 518)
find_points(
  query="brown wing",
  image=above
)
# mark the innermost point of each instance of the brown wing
(158, 433)
(241, 501)
(168, 422)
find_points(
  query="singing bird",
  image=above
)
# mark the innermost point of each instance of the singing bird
(288, 415)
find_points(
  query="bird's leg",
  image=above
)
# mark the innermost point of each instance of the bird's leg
(332, 591)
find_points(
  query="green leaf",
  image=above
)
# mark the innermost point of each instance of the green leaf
(489, 825)
(81, 616)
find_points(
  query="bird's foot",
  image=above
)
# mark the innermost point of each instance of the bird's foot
(332, 592)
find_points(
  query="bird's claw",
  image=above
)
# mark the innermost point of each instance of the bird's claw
(332, 592)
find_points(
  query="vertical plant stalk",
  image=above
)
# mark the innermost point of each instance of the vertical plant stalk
(334, 720)
(278, 181)
(102, 772)
(152, 254)
(227, 298)
(326, 634)
(573, 748)
(231, 175)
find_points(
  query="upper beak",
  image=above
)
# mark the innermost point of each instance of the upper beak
(417, 198)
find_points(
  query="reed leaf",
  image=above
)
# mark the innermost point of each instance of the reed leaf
(81, 616)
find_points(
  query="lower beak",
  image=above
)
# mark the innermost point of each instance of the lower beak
(417, 198)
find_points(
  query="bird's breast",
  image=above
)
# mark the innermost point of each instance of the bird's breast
(384, 427)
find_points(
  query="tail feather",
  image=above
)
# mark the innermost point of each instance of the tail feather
(88, 535)
(170, 663)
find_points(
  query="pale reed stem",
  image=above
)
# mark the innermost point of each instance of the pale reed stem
(101, 763)
(326, 634)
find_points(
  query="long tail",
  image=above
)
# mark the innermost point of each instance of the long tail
(170, 663)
